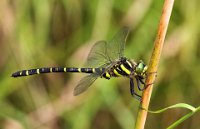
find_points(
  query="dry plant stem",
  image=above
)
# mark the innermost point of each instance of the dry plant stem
(153, 65)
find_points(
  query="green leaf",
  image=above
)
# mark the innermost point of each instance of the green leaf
(179, 121)
(179, 105)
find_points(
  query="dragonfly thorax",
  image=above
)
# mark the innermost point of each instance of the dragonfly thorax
(125, 67)
(122, 67)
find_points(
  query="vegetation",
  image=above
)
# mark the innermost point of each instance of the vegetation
(60, 33)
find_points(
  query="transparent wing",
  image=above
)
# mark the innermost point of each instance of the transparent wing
(98, 55)
(103, 53)
(85, 83)
(116, 45)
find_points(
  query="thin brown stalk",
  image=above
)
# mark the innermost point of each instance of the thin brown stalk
(154, 61)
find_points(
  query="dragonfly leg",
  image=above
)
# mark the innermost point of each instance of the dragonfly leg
(139, 80)
(145, 86)
(133, 93)
(148, 85)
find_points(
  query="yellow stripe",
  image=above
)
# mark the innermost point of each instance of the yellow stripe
(115, 71)
(125, 69)
(145, 68)
(129, 63)
(38, 71)
(51, 70)
(20, 73)
(79, 69)
(93, 70)
(27, 73)
(107, 75)
(65, 70)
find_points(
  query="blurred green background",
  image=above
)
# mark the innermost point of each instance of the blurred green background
(35, 33)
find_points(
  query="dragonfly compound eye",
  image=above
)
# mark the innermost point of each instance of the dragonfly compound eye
(141, 68)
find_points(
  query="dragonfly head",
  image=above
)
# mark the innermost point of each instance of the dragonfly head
(141, 69)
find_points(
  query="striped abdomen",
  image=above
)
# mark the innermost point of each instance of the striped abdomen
(121, 68)
(56, 69)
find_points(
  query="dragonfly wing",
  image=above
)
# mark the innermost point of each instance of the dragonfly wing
(117, 45)
(98, 55)
(105, 53)
(85, 83)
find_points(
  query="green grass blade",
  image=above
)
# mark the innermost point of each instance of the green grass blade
(179, 121)
(179, 105)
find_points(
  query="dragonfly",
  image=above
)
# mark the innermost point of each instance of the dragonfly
(105, 60)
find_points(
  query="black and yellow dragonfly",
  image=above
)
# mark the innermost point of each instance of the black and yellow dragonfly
(105, 60)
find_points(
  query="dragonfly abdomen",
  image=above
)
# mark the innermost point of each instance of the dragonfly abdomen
(54, 70)
(38, 71)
